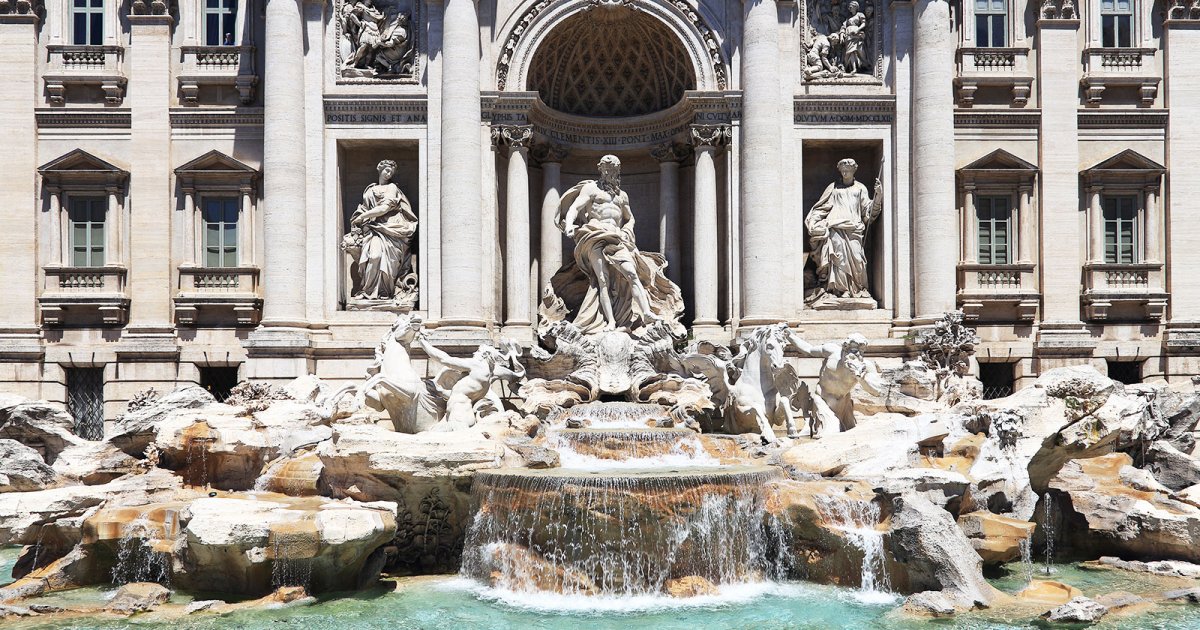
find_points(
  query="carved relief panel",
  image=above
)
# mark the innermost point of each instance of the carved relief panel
(378, 41)
(842, 41)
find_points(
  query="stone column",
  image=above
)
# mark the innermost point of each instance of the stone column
(1025, 222)
(970, 235)
(550, 252)
(462, 159)
(19, 211)
(517, 298)
(1095, 222)
(284, 173)
(148, 60)
(1152, 251)
(669, 156)
(1181, 67)
(708, 139)
(933, 159)
(764, 229)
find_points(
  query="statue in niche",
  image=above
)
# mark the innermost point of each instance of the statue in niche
(832, 410)
(836, 226)
(380, 241)
(380, 44)
(610, 284)
(838, 40)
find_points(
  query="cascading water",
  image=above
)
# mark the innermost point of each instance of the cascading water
(289, 566)
(858, 520)
(1026, 547)
(1048, 531)
(137, 561)
(598, 449)
(625, 533)
(609, 415)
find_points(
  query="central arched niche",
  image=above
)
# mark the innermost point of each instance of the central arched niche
(611, 62)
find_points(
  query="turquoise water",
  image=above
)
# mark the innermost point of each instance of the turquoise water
(8, 557)
(453, 603)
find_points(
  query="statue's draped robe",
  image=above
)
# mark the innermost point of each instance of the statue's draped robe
(836, 226)
(385, 254)
(577, 286)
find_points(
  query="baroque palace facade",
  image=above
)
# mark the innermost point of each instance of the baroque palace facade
(214, 190)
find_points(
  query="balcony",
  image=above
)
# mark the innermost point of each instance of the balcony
(84, 295)
(998, 292)
(1125, 67)
(1124, 291)
(217, 65)
(98, 66)
(217, 296)
(985, 67)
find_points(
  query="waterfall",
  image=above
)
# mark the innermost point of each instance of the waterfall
(858, 520)
(1048, 531)
(609, 415)
(623, 533)
(1026, 547)
(597, 449)
(197, 457)
(137, 561)
(289, 567)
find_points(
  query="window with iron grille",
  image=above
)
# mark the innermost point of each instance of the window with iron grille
(86, 215)
(85, 401)
(218, 22)
(1128, 372)
(991, 17)
(219, 380)
(997, 379)
(993, 215)
(87, 17)
(1120, 229)
(1116, 23)
(220, 218)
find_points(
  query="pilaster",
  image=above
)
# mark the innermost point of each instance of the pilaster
(1181, 46)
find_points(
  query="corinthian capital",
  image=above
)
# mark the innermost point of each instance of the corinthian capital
(512, 137)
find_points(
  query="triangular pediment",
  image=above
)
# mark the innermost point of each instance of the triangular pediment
(215, 162)
(1129, 160)
(1000, 160)
(80, 161)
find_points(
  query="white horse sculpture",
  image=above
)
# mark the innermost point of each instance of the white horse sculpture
(412, 403)
(754, 389)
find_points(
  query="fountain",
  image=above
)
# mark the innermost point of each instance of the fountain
(1048, 531)
(859, 521)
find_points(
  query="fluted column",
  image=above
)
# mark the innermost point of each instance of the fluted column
(707, 139)
(764, 228)
(462, 155)
(517, 299)
(285, 252)
(668, 156)
(933, 158)
(550, 250)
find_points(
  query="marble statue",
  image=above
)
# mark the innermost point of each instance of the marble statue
(394, 386)
(853, 38)
(381, 242)
(609, 284)
(380, 43)
(755, 388)
(817, 64)
(844, 367)
(837, 45)
(837, 225)
(946, 348)
(466, 383)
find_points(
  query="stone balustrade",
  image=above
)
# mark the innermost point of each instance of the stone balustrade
(1134, 290)
(208, 294)
(1003, 67)
(84, 295)
(99, 66)
(1130, 67)
(994, 288)
(217, 65)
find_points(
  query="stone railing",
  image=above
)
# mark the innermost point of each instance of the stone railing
(1104, 67)
(1004, 67)
(229, 294)
(1001, 291)
(217, 65)
(85, 294)
(85, 65)
(1136, 288)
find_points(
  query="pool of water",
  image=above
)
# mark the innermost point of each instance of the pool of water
(8, 557)
(449, 603)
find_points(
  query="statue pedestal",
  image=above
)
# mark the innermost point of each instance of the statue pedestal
(830, 303)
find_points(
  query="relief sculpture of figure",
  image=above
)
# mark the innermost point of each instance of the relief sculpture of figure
(610, 284)
(379, 41)
(853, 36)
(380, 240)
(836, 226)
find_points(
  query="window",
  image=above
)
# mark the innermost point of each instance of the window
(218, 22)
(220, 231)
(1120, 229)
(1116, 23)
(86, 215)
(990, 19)
(88, 20)
(219, 381)
(85, 401)
(994, 217)
(997, 379)
(1128, 372)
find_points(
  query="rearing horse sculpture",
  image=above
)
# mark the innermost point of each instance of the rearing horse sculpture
(412, 403)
